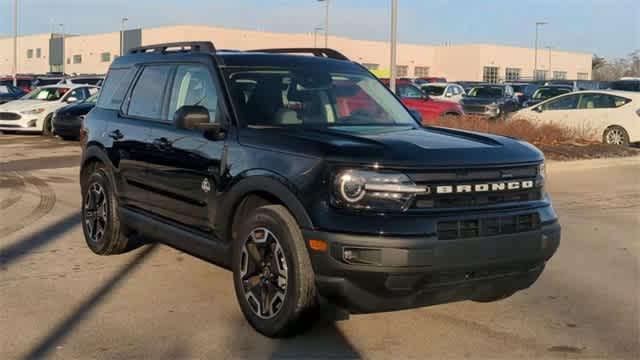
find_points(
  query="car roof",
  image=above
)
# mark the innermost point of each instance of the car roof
(68, 86)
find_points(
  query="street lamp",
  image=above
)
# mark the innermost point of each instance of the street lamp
(394, 44)
(122, 24)
(326, 22)
(15, 43)
(315, 35)
(64, 45)
(535, 61)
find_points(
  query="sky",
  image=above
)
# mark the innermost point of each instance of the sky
(609, 28)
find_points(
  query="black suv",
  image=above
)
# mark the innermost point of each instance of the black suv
(311, 181)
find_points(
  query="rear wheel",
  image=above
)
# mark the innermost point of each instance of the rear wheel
(272, 273)
(101, 223)
(615, 135)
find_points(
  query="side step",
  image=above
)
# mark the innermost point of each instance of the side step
(212, 250)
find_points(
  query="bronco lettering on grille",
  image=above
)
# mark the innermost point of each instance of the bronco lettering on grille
(476, 188)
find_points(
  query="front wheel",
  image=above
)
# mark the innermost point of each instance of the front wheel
(615, 135)
(47, 127)
(272, 273)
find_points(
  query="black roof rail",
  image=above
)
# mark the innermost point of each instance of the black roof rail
(184, 46)
(319, 52)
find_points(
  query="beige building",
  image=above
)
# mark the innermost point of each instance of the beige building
(474, 62)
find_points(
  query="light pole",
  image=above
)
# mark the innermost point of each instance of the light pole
(535, 61)
(326, 22)
(123, 21)
(64, 45)
(15, 43)
(315, 35)
(394, 44)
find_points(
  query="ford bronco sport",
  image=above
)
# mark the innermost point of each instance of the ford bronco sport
(311, 181)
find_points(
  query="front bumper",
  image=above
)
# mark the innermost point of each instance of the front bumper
(67, 126)
(408, 272)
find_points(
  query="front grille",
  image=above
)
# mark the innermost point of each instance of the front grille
(470, 228)
(454, 177)
(9, 116)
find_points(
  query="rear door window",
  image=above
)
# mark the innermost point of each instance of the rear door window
(115, 88)
(568, 102)
(147, 95)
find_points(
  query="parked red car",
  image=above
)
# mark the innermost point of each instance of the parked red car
(431, 110)
(24, 81)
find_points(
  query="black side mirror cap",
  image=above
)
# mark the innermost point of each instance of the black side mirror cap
(537, 109)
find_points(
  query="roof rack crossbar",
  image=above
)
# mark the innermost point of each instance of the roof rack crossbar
(193, 46)
(319, 52)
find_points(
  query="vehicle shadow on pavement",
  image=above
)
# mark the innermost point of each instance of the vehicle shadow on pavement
(12, 253)
(324, 341)
(55, 335)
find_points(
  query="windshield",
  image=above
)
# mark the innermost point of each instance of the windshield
(547, 93)
(4, 90)
(313, 97)
(433, 90)
(486, 92)
(46, 94)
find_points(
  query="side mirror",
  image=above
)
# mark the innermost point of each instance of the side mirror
(416, 115)
(448, 95)
(537, 109)
(72, 99)
(191, 117)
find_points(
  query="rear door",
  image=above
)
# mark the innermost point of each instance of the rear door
(186, 167)
(559, 110)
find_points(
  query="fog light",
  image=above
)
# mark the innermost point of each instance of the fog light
(32, 123)
(364, 256)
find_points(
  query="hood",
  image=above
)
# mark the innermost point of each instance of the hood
(395, 147)
(479, 101)
(77, 109)
(24, 105)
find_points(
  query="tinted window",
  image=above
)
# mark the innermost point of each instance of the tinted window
(80, 94)
(146, 97)
(193, 86)
(549, 92)
(601, 101)
(408, 91)
(564, 103)
(87, 81)
(433, 90)
(115, 88)
(626, 85)
(486, 92)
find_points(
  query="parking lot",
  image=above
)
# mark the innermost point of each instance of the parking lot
(57, 299)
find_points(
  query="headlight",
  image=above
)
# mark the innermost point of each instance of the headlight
(542, 175)
(33, 111)
(369, 190)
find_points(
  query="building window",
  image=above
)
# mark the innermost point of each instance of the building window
(371, 67)
(512, 74)
(38, 53)
(30, 54)
(105, 57)
(583, 76)
(77, 59)
(559, 75)
(490, 74)
(421, 71)
(402, 70)
(540, 75)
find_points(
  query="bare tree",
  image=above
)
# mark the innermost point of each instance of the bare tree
(604, 70)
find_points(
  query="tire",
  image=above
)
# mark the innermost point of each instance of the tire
(47, 126)
(271, 233)
(101, 224)
(615, 135)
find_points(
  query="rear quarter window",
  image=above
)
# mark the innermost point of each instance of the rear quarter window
(620, 101)
(115, 88)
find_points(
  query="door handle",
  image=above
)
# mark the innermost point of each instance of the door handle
(116, 134)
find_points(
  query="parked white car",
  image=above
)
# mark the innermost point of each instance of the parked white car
(33, 112)
(614, 116)
(444, 91)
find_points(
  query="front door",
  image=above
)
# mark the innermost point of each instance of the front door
(186, 171)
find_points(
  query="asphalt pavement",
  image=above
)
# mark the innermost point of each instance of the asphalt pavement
(58, 300)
